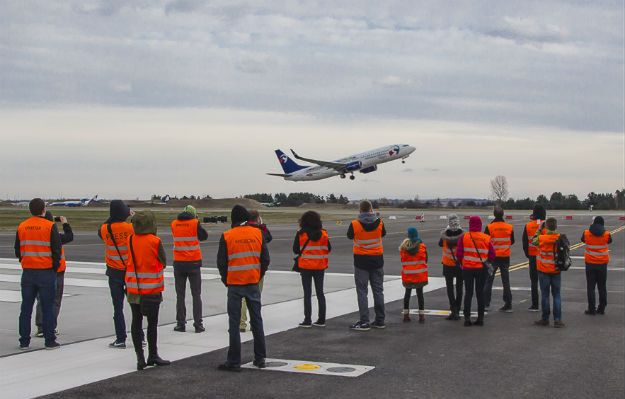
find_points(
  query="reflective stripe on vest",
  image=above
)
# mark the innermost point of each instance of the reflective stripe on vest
(367, 242)
(448, 257)
(501, 237)
(596, 251)
(530, 229)
(474, 256)
(121, 231)
(316, 254)
(145, 277)
(545, 258)
(186, 242)
(244, 244)
(414, 268)
(34, 236)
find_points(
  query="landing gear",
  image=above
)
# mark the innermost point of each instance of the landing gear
(403, 161)
(352, 177)
(342, 176)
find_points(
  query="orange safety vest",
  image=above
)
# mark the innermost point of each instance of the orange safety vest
(597, 252)
(63, 264)
(414, 268)
(546, 258)
(472, 254)
(34, 235)
(315, 255)
(145, 277)
(501, 237)
(449, 256)
(121, 232)
(530, 229)
(244, 245)
(186, 243)
(367, 242)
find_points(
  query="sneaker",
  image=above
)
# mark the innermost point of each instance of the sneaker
(229, 367)
(558, 324)
(590, 312)
(53, 345)
(118, 344)
(533, 309)
(180, 328)
(506, 309)
(360, 326)
(601, 311)
(56, 332)
(541, 323)
(378, 324)
(467, 323)
(199, 329)
(319, 323)
(39, 333)
(305, 324)
(24, 347)
(259, 363)
(479, 323)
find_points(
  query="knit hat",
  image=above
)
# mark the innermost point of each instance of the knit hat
(119, 211)
(599, 220)
(539, 212)
(413, 234)
(475, 223)
(454, 222)
(190, 209)
(239, 215)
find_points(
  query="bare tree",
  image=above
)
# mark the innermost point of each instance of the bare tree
(499, 189)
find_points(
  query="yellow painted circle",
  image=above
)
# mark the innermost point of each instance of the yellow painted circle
(307, 366)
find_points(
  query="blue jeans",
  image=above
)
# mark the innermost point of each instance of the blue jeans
(553, 283)
(118, 293)
(251, 293)
(42, 283)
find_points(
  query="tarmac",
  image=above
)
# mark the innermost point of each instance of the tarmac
(507, 357)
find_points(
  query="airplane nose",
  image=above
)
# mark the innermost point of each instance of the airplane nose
(411, 149)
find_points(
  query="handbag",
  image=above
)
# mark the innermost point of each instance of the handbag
(487, 265)
(295, 267)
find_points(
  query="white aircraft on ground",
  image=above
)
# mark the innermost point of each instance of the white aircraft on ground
(365, 162)
(77, 203)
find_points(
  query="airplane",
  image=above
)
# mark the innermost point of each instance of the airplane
(163, 201)
(365, 162)
(82, 202)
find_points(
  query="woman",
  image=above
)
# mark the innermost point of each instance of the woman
(312, 248)
(145, 284)
(414, 271)
(451, 267)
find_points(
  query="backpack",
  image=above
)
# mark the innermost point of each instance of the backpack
(562, 253)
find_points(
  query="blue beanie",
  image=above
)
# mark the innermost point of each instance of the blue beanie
(413, 234)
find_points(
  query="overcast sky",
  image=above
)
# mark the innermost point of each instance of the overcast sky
(126, 99)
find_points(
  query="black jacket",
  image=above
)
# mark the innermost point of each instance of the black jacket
(55, 246)
(202, 235)
(367, 262)
(313, 235)
(222, 258)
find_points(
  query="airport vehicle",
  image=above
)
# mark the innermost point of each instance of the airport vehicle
(365, 162)
(77, 203)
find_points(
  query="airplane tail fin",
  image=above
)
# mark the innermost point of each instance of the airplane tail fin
(166, 198)
(288, 165)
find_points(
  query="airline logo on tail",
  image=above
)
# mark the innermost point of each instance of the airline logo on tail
(288, 165)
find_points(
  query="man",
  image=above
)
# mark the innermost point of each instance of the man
(242, 260)
(187, 233)
(502, 236)
(538, 215)
(66, 237)
(38, 247)
(597, 257)
(115, 232)
(367, 232)
(548, 276)
(255, 221)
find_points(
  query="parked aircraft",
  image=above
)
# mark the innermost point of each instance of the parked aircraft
(365, 162)
(77, 203)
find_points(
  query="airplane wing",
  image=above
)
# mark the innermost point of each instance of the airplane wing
(332, 165)
(279, 174)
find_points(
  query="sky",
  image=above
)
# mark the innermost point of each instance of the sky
(131, 98)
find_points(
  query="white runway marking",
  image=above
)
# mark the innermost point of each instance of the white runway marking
(14, 296)
(312, 367)
(432, 312)
(74, 282)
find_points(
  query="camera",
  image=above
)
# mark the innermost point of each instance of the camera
(57, 218)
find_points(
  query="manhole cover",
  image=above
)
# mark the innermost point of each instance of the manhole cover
(275, 364)
(341, 369)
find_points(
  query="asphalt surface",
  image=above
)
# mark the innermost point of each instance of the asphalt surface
(507, 357)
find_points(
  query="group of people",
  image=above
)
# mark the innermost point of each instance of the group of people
(135, 262)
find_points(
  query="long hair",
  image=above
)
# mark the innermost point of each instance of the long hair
(310, 220)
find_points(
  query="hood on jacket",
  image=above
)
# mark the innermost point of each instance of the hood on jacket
(367, 217)
(597, 227)
(370, 226)
(451, 236)
(475, 224)
(144, 222)
(239, 215)
(314, 235)
(185, 216)
(539, 212)
(409, 246)
(119, 211)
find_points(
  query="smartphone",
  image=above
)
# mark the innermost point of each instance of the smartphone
(57, 218)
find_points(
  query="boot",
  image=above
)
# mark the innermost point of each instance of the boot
(421, 317)
(155, 360)
(452, 314)
(141, 364)
(406, 313)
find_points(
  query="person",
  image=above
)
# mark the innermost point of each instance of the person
(414, 271)
(474, 248)
(38, 248)
(537, 217)
(502, 236)
(145, 283)
(549, 277)
(451, 266)
(187, 233)
(255, 221)
(242, 260)
(367, 232)
(312, 247)
(115, 232)
(66, 237)
(596, 257)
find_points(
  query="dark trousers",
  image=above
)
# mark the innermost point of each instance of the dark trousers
(308, 276)
(251, 293)
(474, 278)
(42, 283)
(503, 264)
(117, 287)
(455, 298)
(194, 275)
(533, 280)
(362, 278)
(58, 297)
(419, 298)
(597, 275)
(150, 311)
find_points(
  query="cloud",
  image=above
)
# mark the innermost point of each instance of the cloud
(392, 81)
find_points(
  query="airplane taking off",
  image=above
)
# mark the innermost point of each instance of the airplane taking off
(82, 202)
(365, 162)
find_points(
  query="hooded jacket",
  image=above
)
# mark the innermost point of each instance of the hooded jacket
(202, 235)
(597, 228)
(313, 235)
(367, 262)
(145, 223)
(412, 247)
(475, 226)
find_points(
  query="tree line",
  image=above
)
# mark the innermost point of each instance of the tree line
(297, 199)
